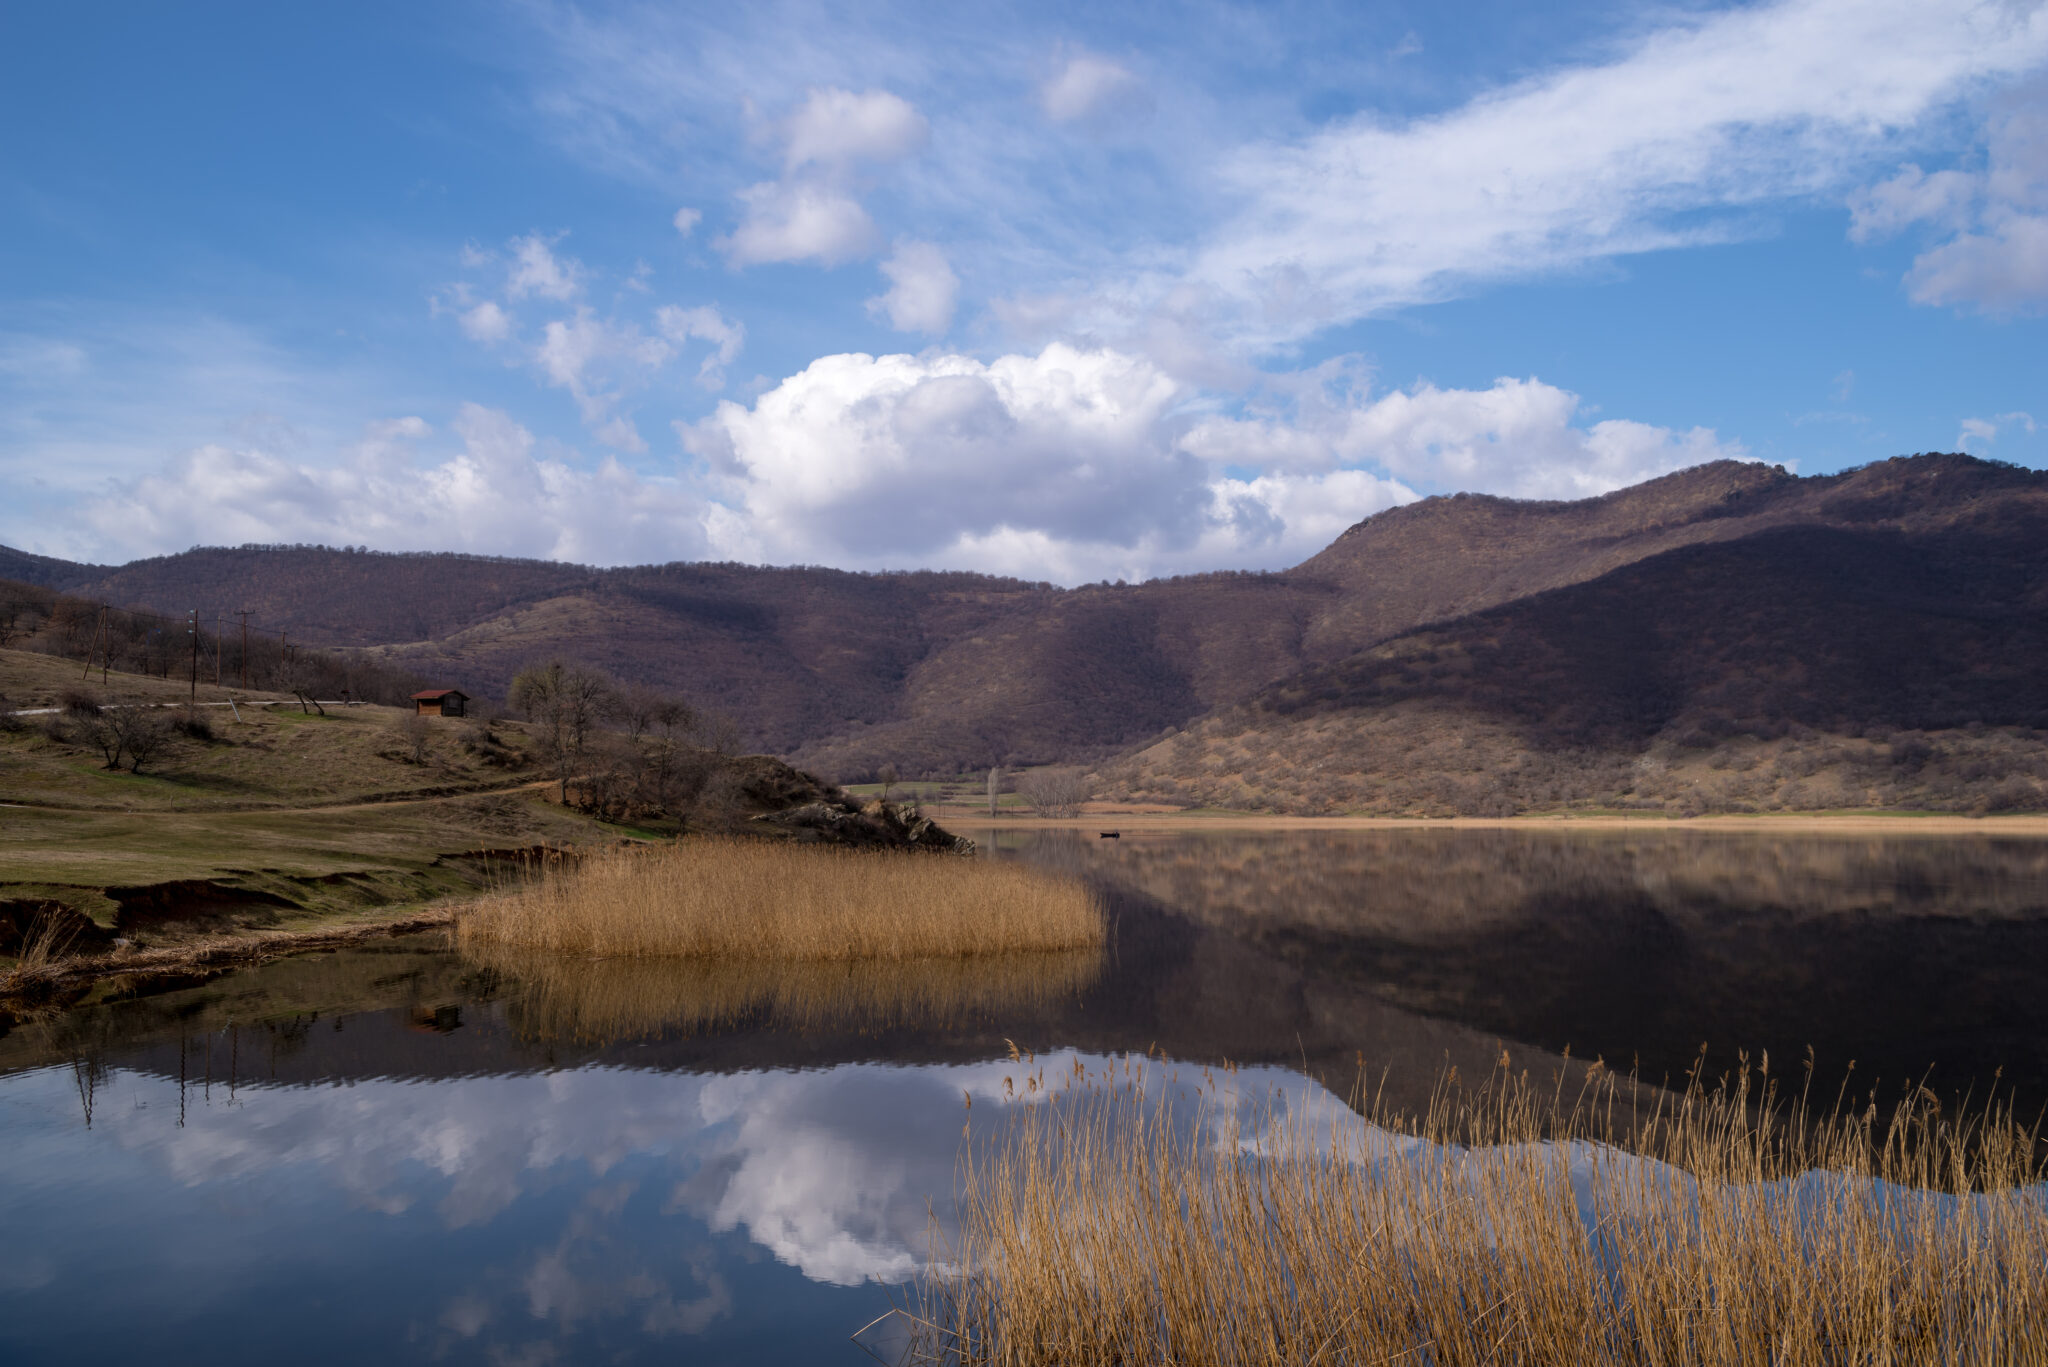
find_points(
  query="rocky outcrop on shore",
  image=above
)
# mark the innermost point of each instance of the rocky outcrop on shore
(878, 825)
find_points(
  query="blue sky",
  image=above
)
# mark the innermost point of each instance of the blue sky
(1032, 289)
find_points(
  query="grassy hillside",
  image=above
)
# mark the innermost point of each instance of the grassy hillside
(256, 815)
(264, 752)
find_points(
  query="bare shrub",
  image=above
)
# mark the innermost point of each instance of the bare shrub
(1053, 792)
(414, 731)
(481, 740)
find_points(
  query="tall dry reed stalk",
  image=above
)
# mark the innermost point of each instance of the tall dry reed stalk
(598, 1001)
(1499, 1228)
(43, 945)
(741, 899)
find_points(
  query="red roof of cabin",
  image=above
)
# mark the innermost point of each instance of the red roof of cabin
(429, 694)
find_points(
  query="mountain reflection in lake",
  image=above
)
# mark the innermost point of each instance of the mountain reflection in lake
(398, 1152)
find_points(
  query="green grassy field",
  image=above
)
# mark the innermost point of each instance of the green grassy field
(278, 819)
(263, 752)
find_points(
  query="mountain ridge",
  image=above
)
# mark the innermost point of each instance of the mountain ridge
(937, 671)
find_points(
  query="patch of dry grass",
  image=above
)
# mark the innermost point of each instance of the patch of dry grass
(1100, 1229)
(599, 1001)
(756, 899)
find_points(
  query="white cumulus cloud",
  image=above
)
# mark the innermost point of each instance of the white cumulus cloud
(536, 270)
(833, 128)
(1083, 463)
(798, 222)
(486, 322)
(707, 324)
(813, 213)
(1994, 221)
(497, 494)
(922, 289)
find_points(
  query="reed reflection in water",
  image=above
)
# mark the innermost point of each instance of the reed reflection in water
(599, 1001)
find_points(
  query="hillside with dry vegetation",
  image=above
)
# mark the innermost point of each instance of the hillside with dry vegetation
(1730, 637)
(134, 815)
(1797, 668)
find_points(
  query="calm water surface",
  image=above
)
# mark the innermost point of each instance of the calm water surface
(398, 1154)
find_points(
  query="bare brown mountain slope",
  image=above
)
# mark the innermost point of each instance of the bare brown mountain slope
(939, 671)
(1800, 666)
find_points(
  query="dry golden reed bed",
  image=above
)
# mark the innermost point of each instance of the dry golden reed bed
(597, 1001)
(753, 899)
(1499, 1229)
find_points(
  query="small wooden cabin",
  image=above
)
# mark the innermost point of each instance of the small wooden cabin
(439, 702)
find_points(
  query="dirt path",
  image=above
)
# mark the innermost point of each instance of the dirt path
(347, 804)
(397, 801)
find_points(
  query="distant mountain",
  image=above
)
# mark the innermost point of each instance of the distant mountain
(44, 571)
(1587, 628)
(1887, 647)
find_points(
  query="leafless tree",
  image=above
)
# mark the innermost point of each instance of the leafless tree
(16, 620)
(673, 718)
(144, 731)
(565, 703)
(1053, 792)
(414, 730)
(721, 733)
(886, 776)
(296, 678)
(635, 709)
(96, 725)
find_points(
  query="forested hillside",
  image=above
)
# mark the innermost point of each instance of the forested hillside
(1584, 634)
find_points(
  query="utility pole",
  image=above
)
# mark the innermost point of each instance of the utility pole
(97, 628)
(244, 614)
(192, 630)
(216, 647)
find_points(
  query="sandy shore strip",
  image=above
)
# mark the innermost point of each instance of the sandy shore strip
(1791, 823)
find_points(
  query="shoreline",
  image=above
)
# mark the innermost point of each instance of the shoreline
(1802, 823)
(219, 953)
(215, 954)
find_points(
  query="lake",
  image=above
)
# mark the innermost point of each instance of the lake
(398, 1153)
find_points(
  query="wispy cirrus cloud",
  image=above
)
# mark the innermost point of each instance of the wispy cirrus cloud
(1690, 129)
(1668, 145)
(601, 359)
